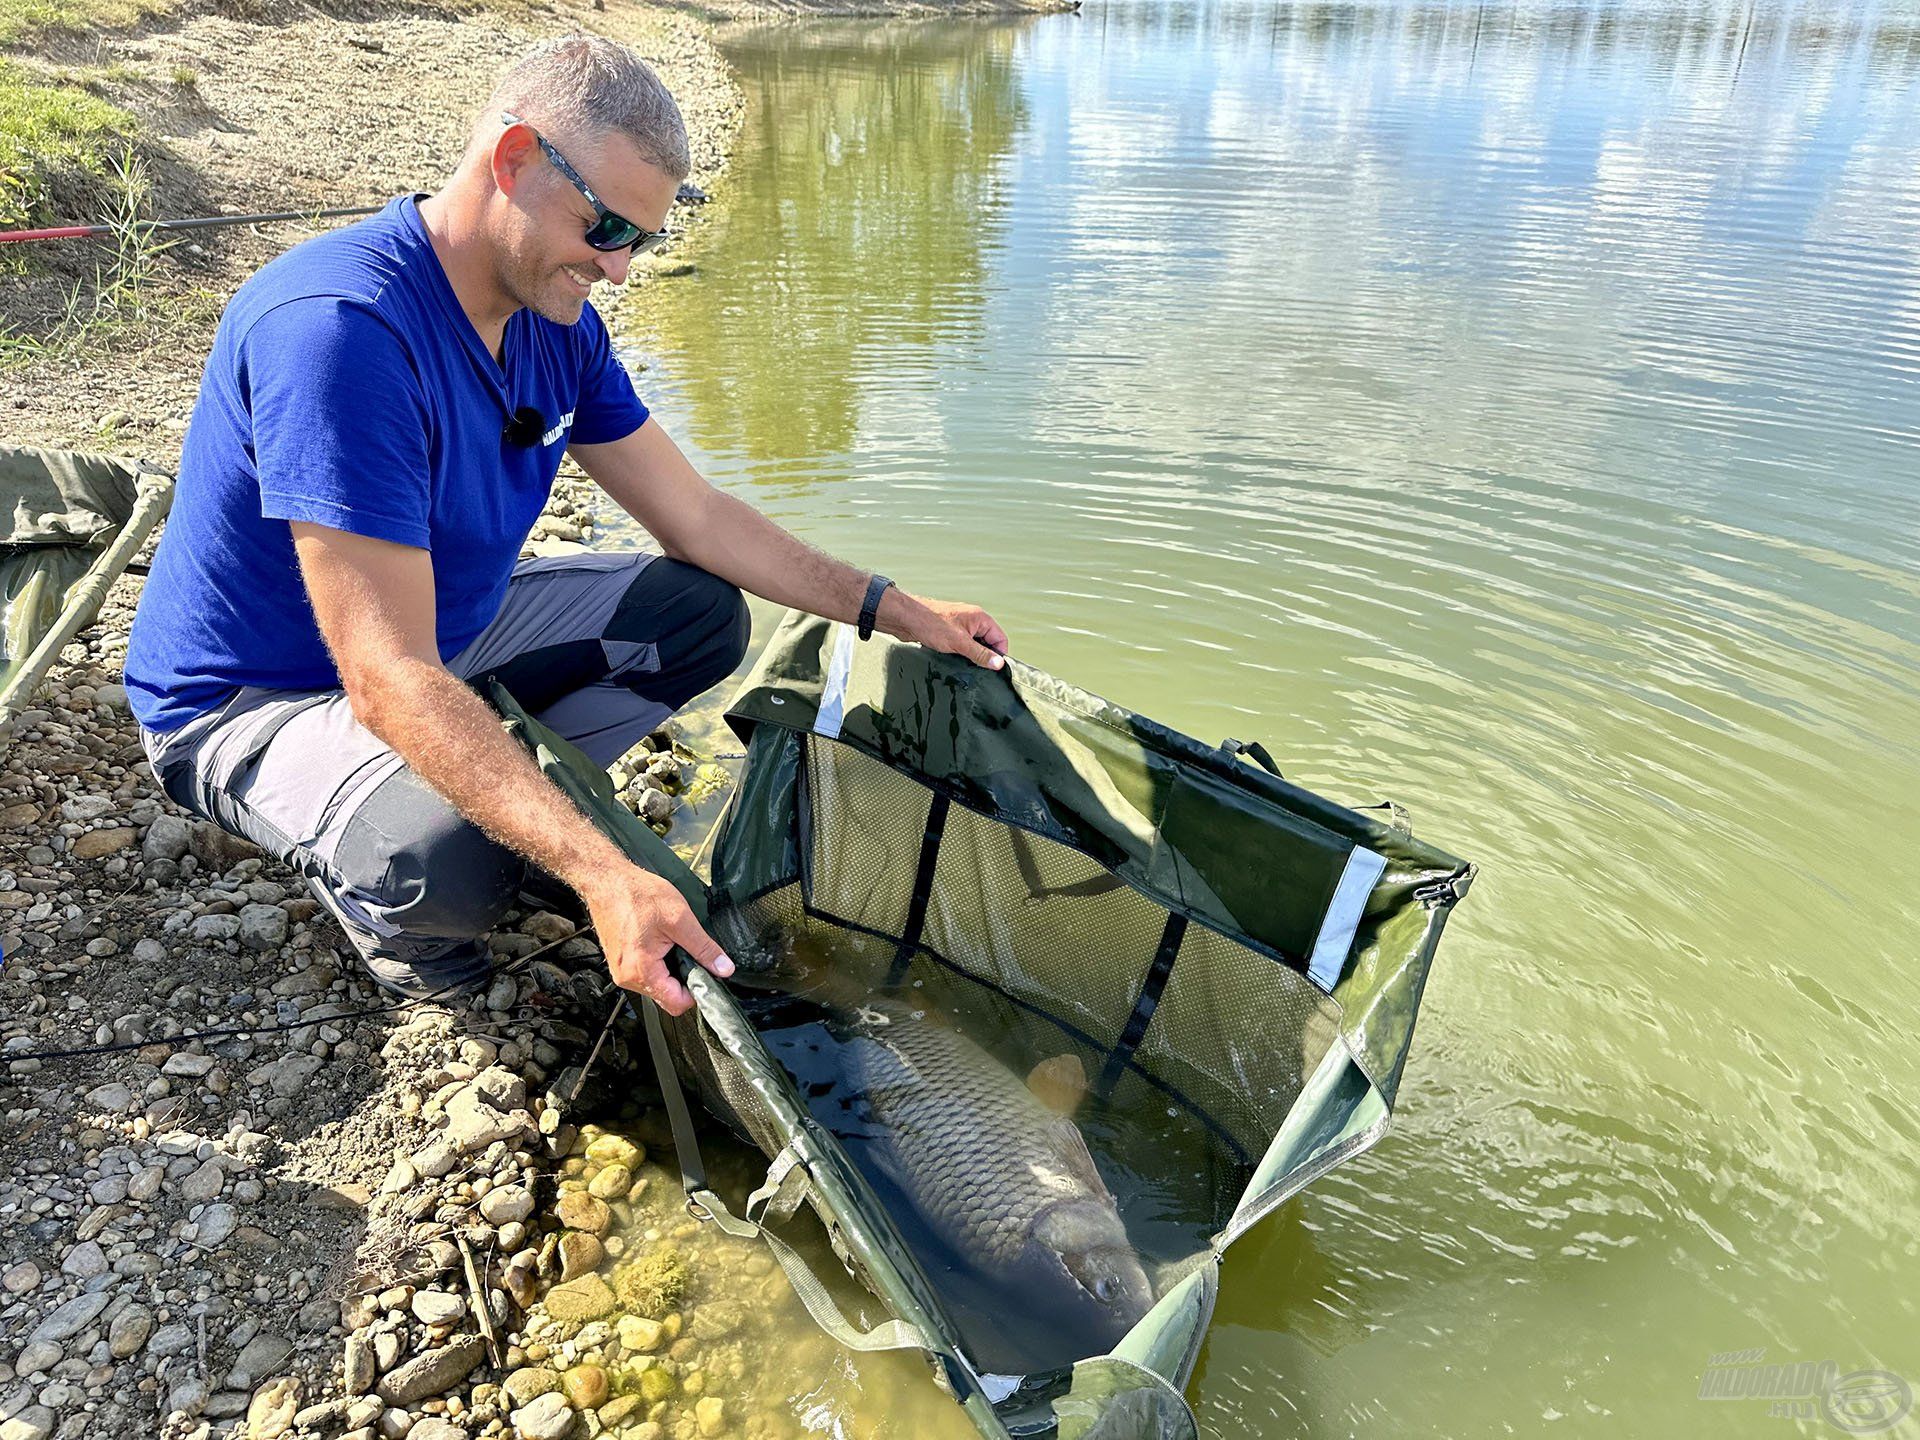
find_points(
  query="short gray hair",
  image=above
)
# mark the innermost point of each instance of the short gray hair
(585, 86)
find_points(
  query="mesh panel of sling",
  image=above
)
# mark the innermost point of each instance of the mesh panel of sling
(1224, 968)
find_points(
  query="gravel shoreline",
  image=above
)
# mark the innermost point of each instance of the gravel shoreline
(345, 1221)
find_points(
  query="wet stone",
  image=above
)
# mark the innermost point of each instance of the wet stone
(611, 1183)
(580, 1211)
(580, 1254)
(529, 1383)
(580, 1301)
(585, 1386)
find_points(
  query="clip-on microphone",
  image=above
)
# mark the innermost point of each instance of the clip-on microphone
(524, 427)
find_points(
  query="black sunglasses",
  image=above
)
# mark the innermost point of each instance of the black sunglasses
(610, 231)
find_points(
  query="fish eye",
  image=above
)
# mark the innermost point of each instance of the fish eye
(1106, 1288)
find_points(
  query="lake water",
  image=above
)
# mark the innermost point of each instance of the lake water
(1511, 410)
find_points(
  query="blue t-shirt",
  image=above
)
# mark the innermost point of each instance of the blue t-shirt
(348, 388)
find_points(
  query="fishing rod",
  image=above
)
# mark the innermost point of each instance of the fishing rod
(688, 194)
(198, 222)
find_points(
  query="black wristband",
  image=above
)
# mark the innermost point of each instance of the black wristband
(870, 607)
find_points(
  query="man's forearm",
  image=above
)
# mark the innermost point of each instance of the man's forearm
(450, 739)
(738, 543)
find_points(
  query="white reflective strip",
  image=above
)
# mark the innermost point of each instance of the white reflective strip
(833, 704)
(1343, 916)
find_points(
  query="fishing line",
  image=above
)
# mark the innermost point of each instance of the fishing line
(510, 967)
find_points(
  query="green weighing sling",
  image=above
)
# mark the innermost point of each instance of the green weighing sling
(1232, 963)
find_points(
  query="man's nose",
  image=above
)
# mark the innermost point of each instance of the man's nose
(614, 264)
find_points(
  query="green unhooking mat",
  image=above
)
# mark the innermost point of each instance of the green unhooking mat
(1041, 1006)
(73, 521)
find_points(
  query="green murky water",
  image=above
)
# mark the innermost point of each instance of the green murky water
(1514, 410)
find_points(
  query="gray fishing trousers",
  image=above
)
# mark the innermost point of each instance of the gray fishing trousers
(600, 647)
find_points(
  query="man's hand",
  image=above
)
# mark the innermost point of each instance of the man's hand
(944, 625)
(639, 917)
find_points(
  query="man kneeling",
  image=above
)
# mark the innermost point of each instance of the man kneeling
(379, 425)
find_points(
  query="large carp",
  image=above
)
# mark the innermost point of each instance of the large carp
(1027, 1245)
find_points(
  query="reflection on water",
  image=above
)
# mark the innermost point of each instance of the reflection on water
(874, 182)
(1508, 408)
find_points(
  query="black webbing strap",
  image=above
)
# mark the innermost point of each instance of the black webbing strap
(1105, 883)
(686, 1145)
(922, 888)
(1151, 990)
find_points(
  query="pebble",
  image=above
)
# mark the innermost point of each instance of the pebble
(578, 1210)
(710, 1413)
(580, 1254)
(548, 1417)
(611, 1183)
(187, 1064)
(438, 1307)
(586, 1386)
(215, 927)
(20, 1277)
(358, 1364)
(146, 1183)
(166, 838)
(506, 1204)
(85, 1260)
(205, 1183)
(40, 1355)
(262, 927)
(129, 1331)
(436, 1428)
(259, 1357)
(111, 1096)
(529, 1383)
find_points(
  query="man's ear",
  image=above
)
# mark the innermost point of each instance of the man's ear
(514, 155)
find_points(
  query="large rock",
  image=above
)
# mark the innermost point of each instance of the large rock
(577, 1302)
(473, 1123)
(216, 849)
(262, 1356)
(36, 1423)
(167, 838)
(97, 844)
(270, 1413)
(129, 1331)
(263, 927)
(434, 1372)
(215, 927)
(78, 1313)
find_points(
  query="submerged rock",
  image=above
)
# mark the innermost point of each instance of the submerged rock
(576, 1302)
(586, 1386)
